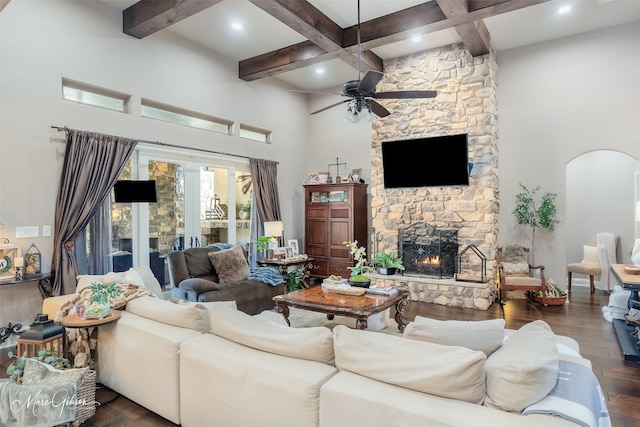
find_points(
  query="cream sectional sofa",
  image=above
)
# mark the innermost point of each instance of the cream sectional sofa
(208, 364)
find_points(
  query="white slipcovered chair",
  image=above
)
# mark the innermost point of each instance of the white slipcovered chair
(590, 264)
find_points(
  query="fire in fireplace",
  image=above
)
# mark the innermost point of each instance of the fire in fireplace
(428, 251)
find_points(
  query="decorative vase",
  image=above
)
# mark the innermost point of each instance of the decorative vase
(387, 271)
(244, 214)
(360, 284)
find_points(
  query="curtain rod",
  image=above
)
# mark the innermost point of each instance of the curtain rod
(164, 144)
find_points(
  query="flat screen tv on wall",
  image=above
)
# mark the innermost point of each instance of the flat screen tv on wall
(135, 191)
(426, 162)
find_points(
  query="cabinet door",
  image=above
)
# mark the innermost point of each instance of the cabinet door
(340, 231)
(316, 231)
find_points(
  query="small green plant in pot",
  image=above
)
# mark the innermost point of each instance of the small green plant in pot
(262, 244)
(387, 262)
(101, 296)
(357, 272)
(244, 210)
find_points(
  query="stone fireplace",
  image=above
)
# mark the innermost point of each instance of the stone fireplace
(466, 103)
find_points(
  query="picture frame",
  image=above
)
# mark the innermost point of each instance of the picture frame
(288, 254)
(355, 175)
(318, 177)
(8, 253)
(279, 253)
(294, 245)
(79, 309)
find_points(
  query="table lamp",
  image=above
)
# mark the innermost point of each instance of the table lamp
(273, 228)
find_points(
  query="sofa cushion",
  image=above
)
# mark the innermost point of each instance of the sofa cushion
(177, 313)
(230, 264)
(315, 343)
(446, 371)
(524, 369)
(484, 335)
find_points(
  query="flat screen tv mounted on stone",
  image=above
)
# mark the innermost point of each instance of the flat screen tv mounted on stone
(135, 191)
(426, 162)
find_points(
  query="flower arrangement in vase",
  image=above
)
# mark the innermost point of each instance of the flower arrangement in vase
(357, 272)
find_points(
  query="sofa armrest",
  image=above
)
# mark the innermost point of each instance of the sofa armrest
(189, 289)
(177, 265)
(51, 305)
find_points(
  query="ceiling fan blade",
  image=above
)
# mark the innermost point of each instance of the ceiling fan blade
(378, 109)
(369, 81)
(316, 92)
(330, 106)
(405, 94)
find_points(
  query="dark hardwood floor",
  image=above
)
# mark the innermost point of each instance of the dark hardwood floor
(580, 319)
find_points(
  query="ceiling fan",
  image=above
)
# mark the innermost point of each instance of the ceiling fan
(362, 93)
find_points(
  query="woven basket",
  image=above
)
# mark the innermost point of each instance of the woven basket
(86, 398)
(550, 300)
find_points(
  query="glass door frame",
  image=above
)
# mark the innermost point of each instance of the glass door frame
(192, 162)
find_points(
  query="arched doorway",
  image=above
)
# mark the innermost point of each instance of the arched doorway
(602, 188)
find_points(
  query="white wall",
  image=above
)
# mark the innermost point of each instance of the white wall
(42, 42)
(557, 100)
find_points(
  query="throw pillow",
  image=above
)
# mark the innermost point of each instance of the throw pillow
(446, 371)
(524, 369)
(149, 280)
(85, 280)
(515, 268)
(590, 254)
(314, 343)
(39, 373)
(230, 264)
(484, 335)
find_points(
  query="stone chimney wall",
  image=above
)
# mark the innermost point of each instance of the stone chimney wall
(466, 103)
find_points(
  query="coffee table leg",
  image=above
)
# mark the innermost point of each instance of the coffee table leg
(400, 320)
(284, 310)
(361, 324)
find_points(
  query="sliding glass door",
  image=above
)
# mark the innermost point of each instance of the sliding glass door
(198, 200)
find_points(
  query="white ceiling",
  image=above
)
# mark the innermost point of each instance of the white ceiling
(261, 33)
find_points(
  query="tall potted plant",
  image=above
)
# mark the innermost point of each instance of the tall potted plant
(536, 214)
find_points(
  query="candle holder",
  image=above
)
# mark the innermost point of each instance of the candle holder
(19, 273)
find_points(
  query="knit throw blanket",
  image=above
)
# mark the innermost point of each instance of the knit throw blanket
(83, 340)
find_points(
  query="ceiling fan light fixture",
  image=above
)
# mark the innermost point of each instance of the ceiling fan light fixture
(351, 116)
(367, 115)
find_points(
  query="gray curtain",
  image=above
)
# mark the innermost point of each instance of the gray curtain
(264, 175)
(92, 164)
(92, 247)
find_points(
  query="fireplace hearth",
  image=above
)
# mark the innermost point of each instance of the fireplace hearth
(428, 251)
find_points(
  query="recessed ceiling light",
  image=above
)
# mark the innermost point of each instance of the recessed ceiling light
(236, 26)
(564, 9)
(416, 39)
(320, 71)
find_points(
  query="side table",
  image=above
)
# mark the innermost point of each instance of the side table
(283, 266)
(73, 321)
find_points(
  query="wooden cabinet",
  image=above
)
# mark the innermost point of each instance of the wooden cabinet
(334, 214)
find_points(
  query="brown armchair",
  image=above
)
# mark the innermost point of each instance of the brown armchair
(517, 274)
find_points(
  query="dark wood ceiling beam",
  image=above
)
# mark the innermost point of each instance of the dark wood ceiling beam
(421, 19)
(305, 19)
(286, 59)
(149, 16)
(474, 35)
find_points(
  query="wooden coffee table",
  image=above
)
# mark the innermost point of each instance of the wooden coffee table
(358, 307)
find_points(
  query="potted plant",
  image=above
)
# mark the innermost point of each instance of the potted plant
(528, 212)
(357, 273)
(262, 244)
(387, 262)
(244, 210)
(101, 294)
(294, 278)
